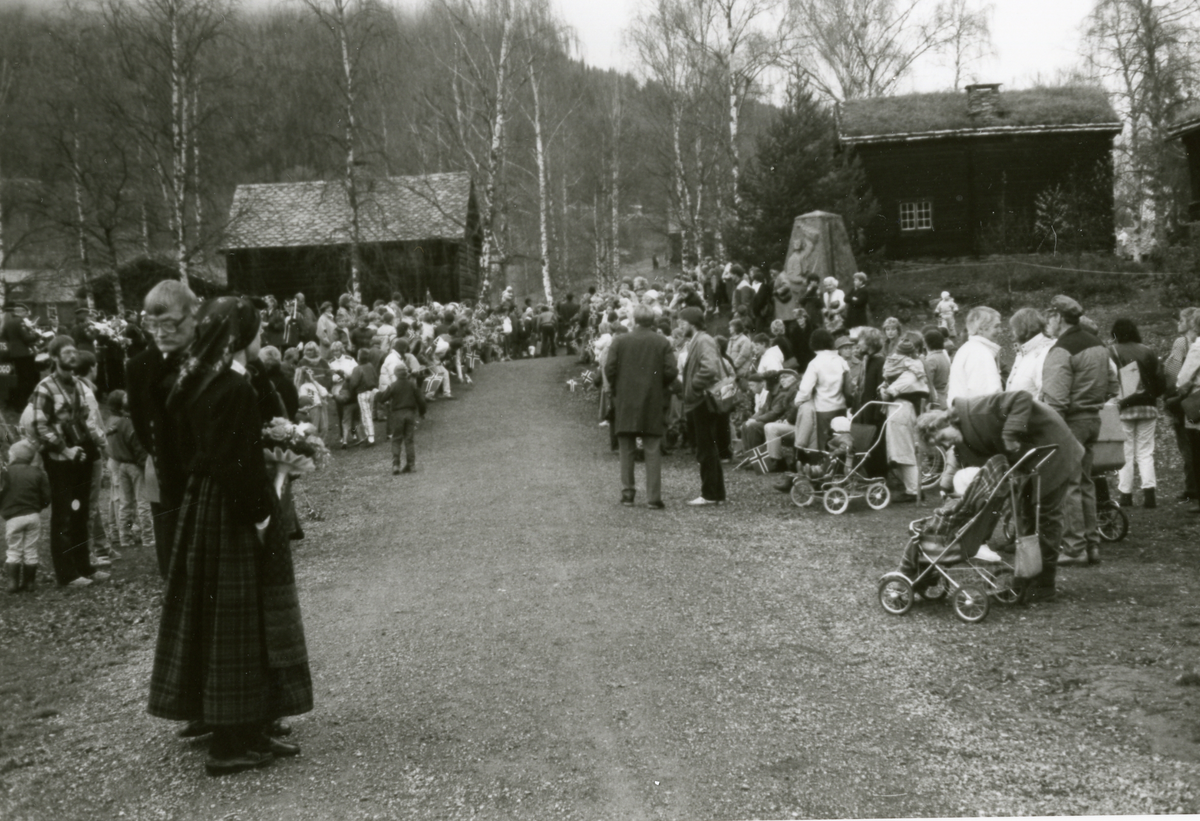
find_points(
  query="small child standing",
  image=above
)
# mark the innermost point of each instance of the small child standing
(26, 494)
(945, 310)
(404, 400)
(127, 469)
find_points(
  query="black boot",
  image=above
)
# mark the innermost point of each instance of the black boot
(1125, 500)
(396, 466)
(1148, 499)
(30, 581)
(13, 572)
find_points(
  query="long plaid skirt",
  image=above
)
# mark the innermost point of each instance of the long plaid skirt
(231, 644)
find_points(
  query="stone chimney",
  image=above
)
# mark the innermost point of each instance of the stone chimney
(983, 99)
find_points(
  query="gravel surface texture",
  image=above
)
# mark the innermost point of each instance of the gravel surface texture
(494, 636)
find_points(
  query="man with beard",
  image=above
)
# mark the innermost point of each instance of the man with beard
(60, 415)
(701, 371)
(170, 323)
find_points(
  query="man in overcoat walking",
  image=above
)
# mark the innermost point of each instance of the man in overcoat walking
(640, 367)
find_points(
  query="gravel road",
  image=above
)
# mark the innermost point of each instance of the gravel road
(494, 636)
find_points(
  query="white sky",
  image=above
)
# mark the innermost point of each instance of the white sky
(1032, 38)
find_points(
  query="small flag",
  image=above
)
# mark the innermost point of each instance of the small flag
(757, 457)
(431, 383)
(589, 378)
(473, 360)
(572, 384)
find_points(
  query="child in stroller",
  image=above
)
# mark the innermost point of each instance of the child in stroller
(954, 536)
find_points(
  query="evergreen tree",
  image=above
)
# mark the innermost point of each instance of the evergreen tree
(798, 168)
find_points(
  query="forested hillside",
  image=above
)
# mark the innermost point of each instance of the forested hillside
(125, 126)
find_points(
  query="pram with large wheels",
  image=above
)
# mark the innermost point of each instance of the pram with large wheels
(837, 481)
(940, 556)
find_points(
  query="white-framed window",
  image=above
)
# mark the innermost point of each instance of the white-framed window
(916, 216)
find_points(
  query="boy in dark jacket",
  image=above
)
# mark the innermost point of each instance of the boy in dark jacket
(26, 494)
(127, 471)
(403, 401)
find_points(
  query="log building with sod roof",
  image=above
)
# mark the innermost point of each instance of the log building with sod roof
(417, 235)
(986, 172)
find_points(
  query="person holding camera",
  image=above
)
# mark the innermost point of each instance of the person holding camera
(60, 430)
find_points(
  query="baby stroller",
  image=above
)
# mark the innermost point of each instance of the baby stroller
(939, 558)
(839, 480)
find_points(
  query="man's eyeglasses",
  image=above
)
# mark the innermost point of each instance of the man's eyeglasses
(162, 324)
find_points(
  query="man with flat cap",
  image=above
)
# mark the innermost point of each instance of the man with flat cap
(1076, 382)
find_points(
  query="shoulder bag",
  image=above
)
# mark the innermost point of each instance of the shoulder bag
(723, 394)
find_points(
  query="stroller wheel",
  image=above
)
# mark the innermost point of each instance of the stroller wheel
(836, 500)
(971, 604)
(802, 492)
(1007, 591)
(933, 462)
(1112, 522)
(936, 590)
(895, 593)
(878, 496)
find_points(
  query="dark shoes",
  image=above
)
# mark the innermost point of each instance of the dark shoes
(1148, 500)
(267, 745)
(1125, 500)
(903, 498)
(627, 498)
(655, 505)
(194, 729)
(1040, 595)
(236, 763)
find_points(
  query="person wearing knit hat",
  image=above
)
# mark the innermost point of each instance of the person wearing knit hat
(1077, 379)
(26, 494)
(60, 416)
(703, 369)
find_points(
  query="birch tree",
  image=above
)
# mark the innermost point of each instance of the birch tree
(353, 30)
(1144, 51)
(162, 46)
(851, 49)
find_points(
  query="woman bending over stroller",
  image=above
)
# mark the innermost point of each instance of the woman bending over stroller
(1010, 424)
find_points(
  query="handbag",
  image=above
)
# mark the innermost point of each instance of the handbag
(723, 394)
(1028, 560)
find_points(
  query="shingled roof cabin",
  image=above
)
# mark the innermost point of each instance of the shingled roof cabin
(960, 174)
(418, 235)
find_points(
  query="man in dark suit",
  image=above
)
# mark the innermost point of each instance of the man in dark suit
(640, 367)
(171, 324)
(1011, 424)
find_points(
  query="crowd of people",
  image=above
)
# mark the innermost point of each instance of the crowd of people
(176, 421)
(802, 361)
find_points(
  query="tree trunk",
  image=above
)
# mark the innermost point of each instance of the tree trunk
(179, 146)
(351, 135)
(543, 190)
(493, 191)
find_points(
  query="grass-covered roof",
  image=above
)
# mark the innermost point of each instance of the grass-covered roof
(947, 111)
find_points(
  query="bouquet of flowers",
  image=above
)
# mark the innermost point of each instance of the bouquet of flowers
(109, 331)
(291, 449)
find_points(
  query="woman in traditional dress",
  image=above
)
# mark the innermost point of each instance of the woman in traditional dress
(231, 653)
